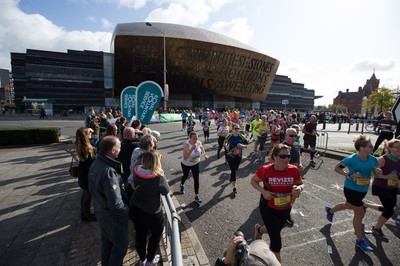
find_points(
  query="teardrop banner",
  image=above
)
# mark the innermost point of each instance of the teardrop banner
(148, 96)
(128, 102)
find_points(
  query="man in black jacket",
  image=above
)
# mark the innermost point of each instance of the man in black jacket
(110, 201)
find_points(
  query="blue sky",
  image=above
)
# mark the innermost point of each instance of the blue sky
(328, 45)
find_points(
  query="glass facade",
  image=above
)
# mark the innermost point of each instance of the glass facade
(204, 69)
(299, 98)
(74, 79)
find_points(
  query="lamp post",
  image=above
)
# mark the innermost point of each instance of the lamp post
(165, 66)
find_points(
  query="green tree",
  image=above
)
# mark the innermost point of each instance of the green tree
(382, 99)
(336, 107)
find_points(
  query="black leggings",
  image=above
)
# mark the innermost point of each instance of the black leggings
(388, 198)
(146, 223)
(221, 144)
(274, 221)
(381, 138)
(195, 171)
(234, 162)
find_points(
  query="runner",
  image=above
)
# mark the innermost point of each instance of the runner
(310, 137)
(360, 167)
(234, 143)
(184, 116)
(206, 124)
(222, 132)
(281, 184)
(385, 186)
(192, 150)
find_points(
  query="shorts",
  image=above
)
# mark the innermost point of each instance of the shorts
(262, 143)
(353, 197)
(255, 137)
(311, 143)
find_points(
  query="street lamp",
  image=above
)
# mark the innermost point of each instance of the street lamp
(165, 66)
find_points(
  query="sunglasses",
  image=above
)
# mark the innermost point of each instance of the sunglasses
(292, 136)
(283, 156)
(236, 128)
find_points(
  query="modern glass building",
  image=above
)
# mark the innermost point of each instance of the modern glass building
(203, 69)
(73, 79)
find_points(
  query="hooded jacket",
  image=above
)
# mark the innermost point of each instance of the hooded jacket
(148, 190)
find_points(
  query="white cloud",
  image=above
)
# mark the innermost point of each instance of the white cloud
(106, 23)
(237, 28)
(92, 19)
(21, 31)
(135, 4)
(186, 12)
(377, 64)
(190, 12)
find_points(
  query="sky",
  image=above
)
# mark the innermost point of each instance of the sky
(327, 45)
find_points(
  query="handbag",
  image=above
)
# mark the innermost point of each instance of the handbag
(73, 169)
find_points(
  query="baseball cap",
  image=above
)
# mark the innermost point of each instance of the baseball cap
(260, 255)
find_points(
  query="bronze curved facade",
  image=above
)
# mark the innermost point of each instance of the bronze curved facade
(202, 67)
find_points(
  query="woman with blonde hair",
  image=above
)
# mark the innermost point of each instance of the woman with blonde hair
(86, 155)
(148, 217)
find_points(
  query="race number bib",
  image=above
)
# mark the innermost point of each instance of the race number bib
(195, 159)
(363, 181)
(282, 200)
(237, 151)
(393, 183)
(195, 156)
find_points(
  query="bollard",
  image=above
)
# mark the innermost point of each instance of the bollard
(357, 124)
(348, 131)
(362, 127)
(340, 125)
(324, 124)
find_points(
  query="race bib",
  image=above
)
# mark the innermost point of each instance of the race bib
(393, 183)
(282, 200)
(205, 129)
(195, 159)
(363, 181)
(237, 151)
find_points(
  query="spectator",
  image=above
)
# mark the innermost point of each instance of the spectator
(148, 216)
(110, 201)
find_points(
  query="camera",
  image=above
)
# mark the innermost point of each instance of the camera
(241, 252)
(242, 249)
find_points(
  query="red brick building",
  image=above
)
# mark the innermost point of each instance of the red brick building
(353, 101)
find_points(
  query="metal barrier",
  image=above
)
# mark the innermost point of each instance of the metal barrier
(174, 250)
(322, 143)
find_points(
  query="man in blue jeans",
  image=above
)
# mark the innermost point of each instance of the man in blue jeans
(110, 201)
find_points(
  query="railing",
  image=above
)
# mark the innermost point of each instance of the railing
(172, 241)
(322, 143)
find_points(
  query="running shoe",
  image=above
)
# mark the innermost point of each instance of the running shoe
(198, 200)
(182, 189)
(289, 220)
(329, 213)
(363, 245)
(142, 263)
(377, 232)
(154, 261)
(234, 190)
(312, 162)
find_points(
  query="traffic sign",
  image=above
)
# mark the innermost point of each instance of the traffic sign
(285, 102)
(396, 110)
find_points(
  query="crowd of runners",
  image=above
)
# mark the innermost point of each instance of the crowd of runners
(274, 138)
